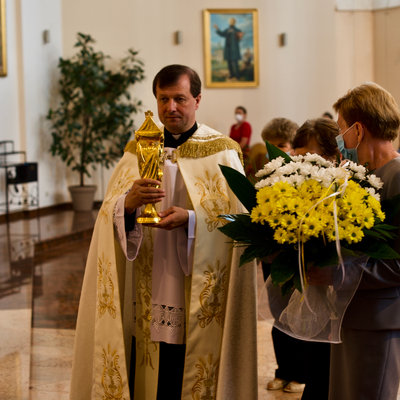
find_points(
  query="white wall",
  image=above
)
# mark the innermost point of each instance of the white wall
(387, 52)
(9, 106)
(25, 92)
(354, 49)
(39, 79)
(297, 81)
(327, 52)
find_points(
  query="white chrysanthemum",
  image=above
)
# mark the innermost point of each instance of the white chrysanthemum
(270, 167)
(357, 168)
(288, 169)
(320, 174)
(359, 175)
(317, 159)
(297, 158)
(374, 194)
(296, 180)
(374, 181)
(306, 169)
(339, 173)
(259, 185)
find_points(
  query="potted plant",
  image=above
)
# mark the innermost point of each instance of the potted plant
(94, 120)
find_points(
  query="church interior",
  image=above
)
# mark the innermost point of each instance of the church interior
(330, 46)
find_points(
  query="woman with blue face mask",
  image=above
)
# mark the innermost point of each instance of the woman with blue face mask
(366, 364)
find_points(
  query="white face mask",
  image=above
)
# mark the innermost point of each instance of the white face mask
(239, 117)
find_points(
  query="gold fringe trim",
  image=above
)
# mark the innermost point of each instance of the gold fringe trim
(200, 146)
(131, 147)
(207, 145)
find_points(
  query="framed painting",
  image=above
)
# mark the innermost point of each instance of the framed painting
(3, 52)
(231, 47)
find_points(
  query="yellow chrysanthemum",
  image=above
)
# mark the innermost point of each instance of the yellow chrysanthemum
(283, 204)
(283, 189)
(265, 195)
(280, 235)
(267, 210)
(351, 199)
(369, 219)
(274, 220)
(290, 222)
(257, 215)
(311, 226)
(353, 234)
(356, 214)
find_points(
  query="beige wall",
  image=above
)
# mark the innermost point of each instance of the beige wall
(327, 52)
(387, 52)
(25, 93)
(297, 81)
(354, 49)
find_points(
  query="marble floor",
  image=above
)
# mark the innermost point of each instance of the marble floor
(41, 269)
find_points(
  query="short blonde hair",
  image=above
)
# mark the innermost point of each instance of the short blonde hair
(372, 106)
(280, 128)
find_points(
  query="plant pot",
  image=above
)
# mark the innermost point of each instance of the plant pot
(82, 197)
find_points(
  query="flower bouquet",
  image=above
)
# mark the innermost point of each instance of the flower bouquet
(307, 212)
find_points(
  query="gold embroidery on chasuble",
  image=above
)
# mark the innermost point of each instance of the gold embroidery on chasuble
(111, 379)
(213, 296)
(144, 267)
(105, 288)
(123, 183)
(213, 198)
(205, 387)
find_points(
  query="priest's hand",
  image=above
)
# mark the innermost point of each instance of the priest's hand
(173, 217)
(143, 192)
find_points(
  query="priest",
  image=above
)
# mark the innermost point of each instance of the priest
(165, 312)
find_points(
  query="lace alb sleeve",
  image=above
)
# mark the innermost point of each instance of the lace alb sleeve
(129, 241)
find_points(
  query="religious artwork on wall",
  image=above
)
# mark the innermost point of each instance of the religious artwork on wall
(231, 47)
(3, 57)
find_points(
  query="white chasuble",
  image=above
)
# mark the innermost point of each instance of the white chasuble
(220, 298)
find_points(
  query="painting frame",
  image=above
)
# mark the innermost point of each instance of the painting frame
(3, 42)
(236, 62)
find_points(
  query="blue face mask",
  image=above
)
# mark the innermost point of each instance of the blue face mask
(287, 152)
(348, 154)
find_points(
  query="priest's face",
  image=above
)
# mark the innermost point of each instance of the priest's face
(176, 106)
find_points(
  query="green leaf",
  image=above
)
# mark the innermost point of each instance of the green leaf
(284, 266)
(249, 254)
(287, 287)
(241, 186)
(297, 282)
(275, 152)
(375, 248)
(391, 207)
(347, 252)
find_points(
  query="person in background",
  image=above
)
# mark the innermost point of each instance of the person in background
(280, 132)
(316, 136)
(327, 115)
(303, 365)
(289, 352)
(241, 133)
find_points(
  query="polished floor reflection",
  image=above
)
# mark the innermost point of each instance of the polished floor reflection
(41, 269)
